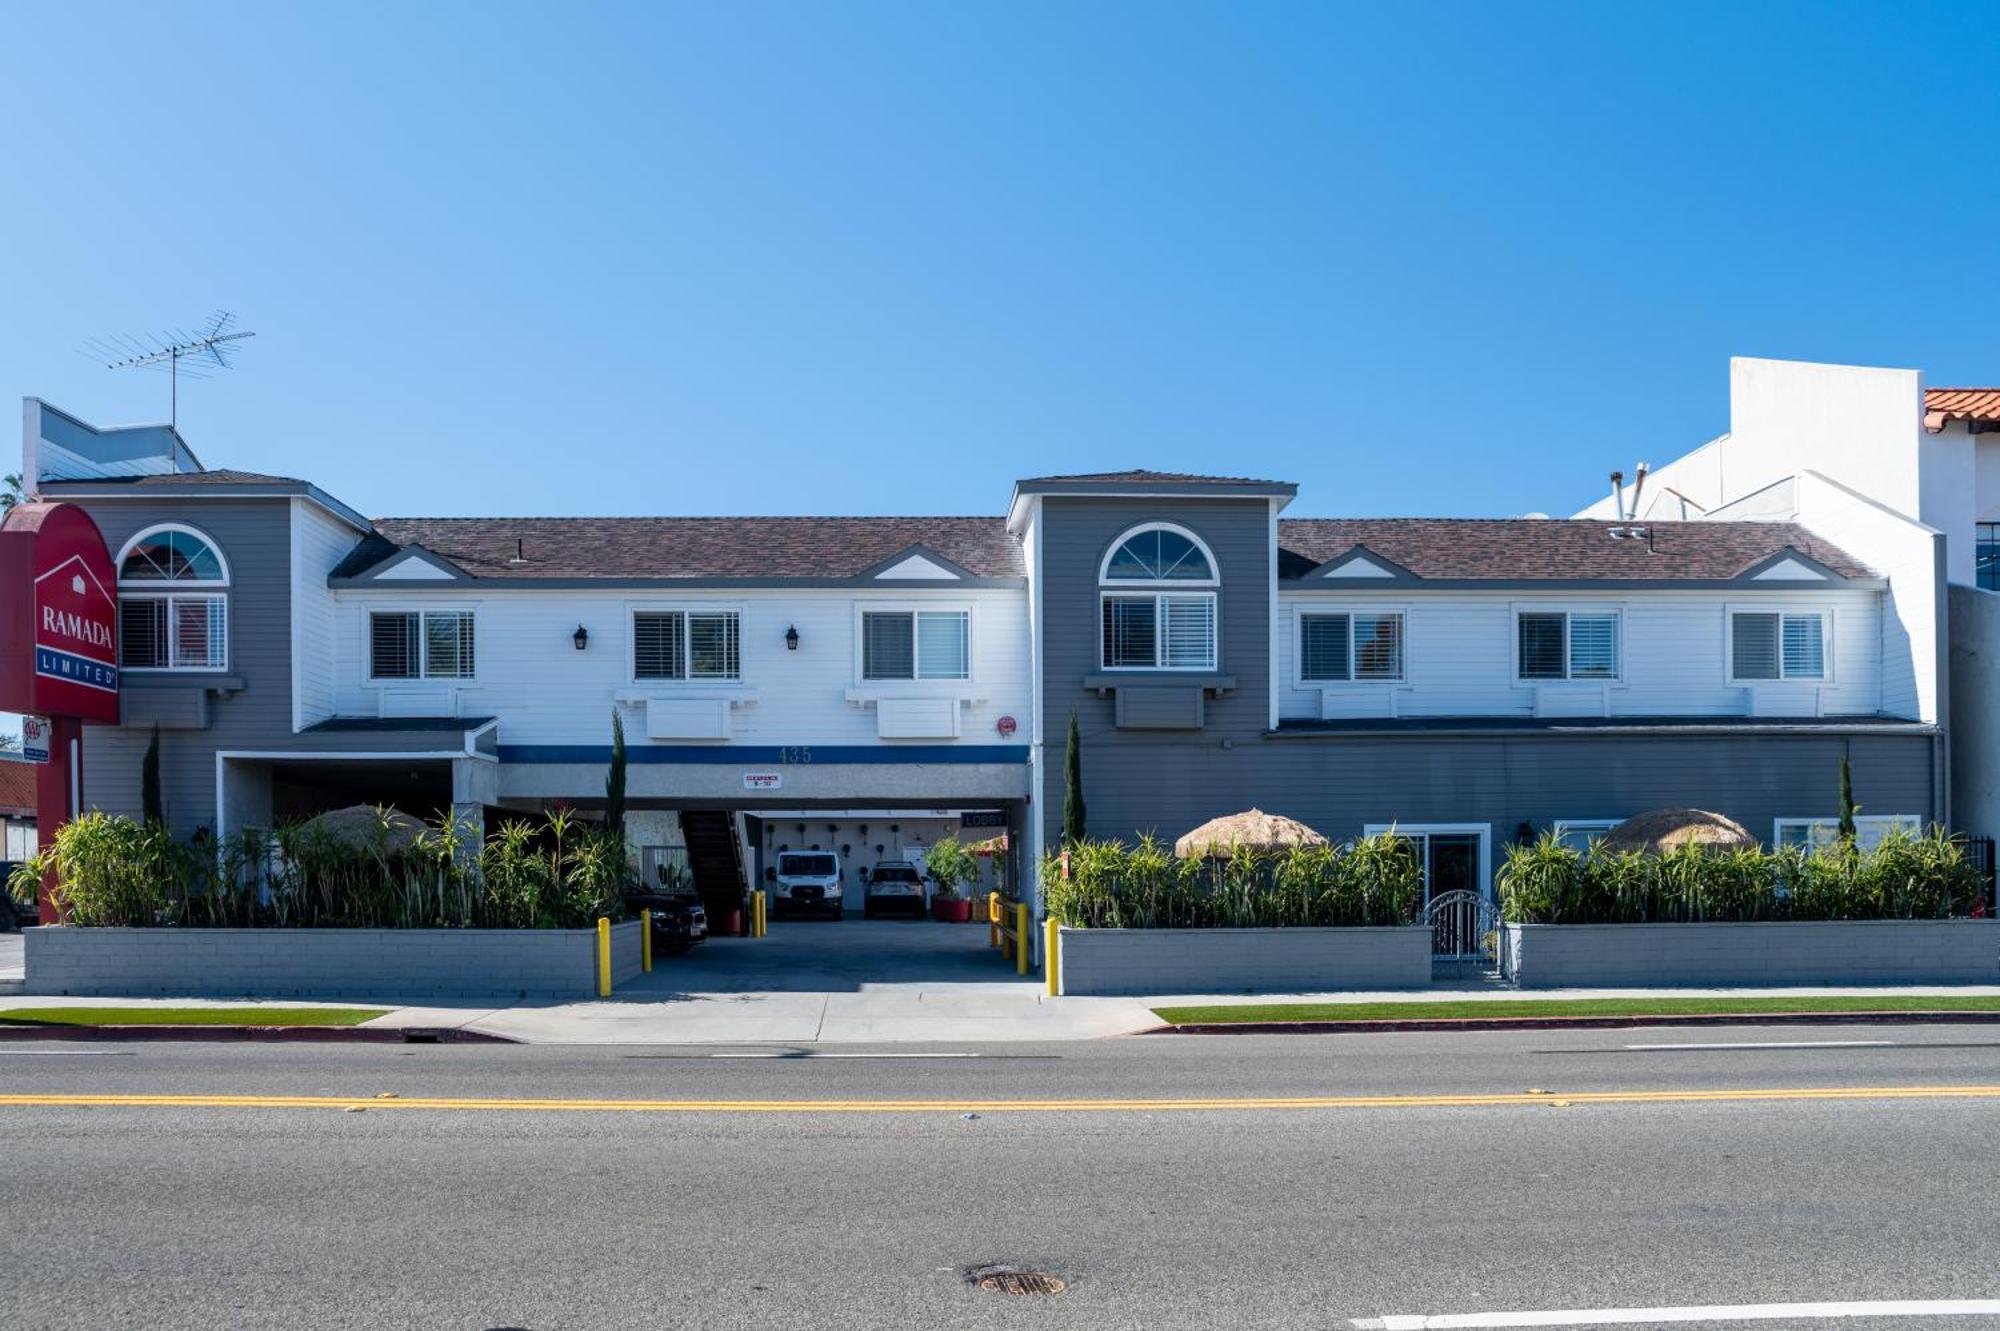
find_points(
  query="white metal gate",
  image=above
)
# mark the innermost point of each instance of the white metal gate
(1465, 932)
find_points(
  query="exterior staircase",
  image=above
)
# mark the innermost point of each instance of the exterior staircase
(715, 858)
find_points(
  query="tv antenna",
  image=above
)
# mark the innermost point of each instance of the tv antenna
(196, 353)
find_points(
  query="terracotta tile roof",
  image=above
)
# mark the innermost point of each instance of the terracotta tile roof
(1959, 404)
(808, 547)
(17, 789)
(1140, 476)
(1536, 549)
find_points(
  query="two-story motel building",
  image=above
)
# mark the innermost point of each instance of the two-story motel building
(1471, 682)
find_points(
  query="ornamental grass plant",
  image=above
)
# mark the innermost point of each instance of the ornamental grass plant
(1377, 880)
(556, 873)
(1905, 876)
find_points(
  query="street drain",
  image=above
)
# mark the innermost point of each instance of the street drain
(1013, 1280)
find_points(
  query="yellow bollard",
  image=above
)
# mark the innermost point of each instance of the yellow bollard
(1052, 955)
(603, 957)
(759, 920)
(645, 940)
(993, 919)
(1021, 948)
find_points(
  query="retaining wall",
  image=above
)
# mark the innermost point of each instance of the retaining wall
(326, 963)
(1548, 956)
(1214, 961)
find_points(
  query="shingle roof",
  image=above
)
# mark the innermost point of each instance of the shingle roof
(808, 547)
(1537, 549)
(221, 476)
(1959, 404)
(1140, 476)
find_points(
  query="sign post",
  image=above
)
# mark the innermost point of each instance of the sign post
(58, 648)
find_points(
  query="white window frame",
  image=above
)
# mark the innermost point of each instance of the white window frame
(1134, 589)
(633, 609)
(1301, 612)
(1415, 831)
(1908, 822)
(1591, 828)
(864, 608)
(170, 591)
(1729, 614)
(1617, 612)
(423, 675)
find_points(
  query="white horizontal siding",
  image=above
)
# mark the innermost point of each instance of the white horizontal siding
(1459, 649)
(544, 691)
(319, 542)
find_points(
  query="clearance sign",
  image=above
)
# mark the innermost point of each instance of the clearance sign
(59, 642)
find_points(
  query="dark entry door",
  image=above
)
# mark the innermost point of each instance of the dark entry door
(1451, 864)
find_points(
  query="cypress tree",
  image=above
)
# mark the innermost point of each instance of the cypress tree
(150, 805)
(1848, 808)
(614, 783)
(1073, 817)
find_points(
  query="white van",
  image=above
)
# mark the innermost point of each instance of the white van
(806, 882)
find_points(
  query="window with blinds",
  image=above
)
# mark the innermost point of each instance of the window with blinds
(1159, 632)
(916, 644)
(432, 644)
(173, 632)
(1767, 645)
(1337, 648)
(687, 644)
(1567, 645)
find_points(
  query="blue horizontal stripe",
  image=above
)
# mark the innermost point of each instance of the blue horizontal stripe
(760, 755)
(53, 664)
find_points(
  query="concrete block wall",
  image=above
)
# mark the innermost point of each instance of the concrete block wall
(1545, 956)
(1203, 961)
(403, 964)
(627, 952)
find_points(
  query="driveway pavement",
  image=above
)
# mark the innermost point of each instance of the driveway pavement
(809, 982)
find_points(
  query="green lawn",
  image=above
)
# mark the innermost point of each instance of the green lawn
(1566, 1007)
(189, 1016)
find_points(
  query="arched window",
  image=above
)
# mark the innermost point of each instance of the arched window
(173, 601)
(1155, 616)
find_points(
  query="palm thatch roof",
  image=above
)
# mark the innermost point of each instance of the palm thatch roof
(1665, 829)
(1254, 830)
(364, 827)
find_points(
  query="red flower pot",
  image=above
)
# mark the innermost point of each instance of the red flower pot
(951, 910)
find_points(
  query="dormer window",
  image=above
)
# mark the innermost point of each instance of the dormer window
(1154, 614)
(173, 601)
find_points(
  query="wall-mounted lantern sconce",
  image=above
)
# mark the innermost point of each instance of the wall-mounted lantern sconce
(846, 849)
(792, 638)
(878, 850)
(581, 637)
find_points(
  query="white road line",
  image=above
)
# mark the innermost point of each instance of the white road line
(1727, 1312)
(1775, 1044)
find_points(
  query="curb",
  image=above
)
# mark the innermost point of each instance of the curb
(1912, 1018)
(259, 1034)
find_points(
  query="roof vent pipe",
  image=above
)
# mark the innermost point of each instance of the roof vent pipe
(1638, 484)
(520, 554)
(1618, 494)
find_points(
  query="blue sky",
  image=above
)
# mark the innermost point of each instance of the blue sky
(861, 258)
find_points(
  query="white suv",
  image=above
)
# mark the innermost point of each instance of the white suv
(893, 885)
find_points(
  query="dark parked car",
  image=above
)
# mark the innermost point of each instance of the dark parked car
(679, 922)
(13, 915)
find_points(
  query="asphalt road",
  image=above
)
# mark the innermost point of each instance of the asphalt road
(578, 1219)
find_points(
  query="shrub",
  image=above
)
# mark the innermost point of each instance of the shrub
(559, 872)
(1375, 881)
(1903, 877)
(951, 865)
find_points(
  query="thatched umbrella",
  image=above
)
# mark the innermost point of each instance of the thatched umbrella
(363, 827)
(1254, 830)
(994, 845)
(1665, 829)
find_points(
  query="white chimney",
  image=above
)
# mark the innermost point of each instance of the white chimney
(1618, 493)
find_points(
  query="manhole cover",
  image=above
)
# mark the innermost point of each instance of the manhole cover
(1014, 1280)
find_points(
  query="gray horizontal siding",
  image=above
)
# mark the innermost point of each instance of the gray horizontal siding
(254, 536)
(1339, 784)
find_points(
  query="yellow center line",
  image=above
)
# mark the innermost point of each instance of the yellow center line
(1565, 1098)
